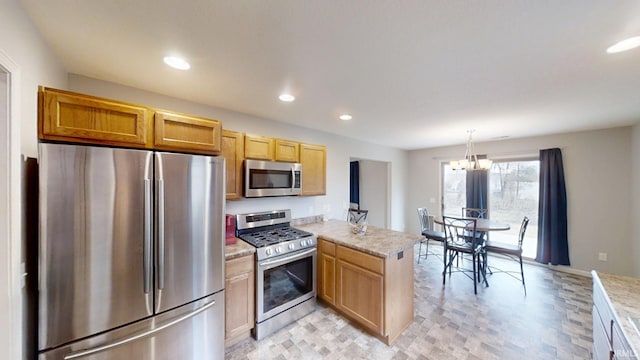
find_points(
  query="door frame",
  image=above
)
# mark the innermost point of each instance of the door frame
(11, 211)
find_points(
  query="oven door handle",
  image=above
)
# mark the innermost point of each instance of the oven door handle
(286, 259)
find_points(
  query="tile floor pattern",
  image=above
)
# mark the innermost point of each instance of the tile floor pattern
(553, 321)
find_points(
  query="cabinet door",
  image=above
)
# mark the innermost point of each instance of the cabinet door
(327, 285)
(313, 159)
(67, 116)
(258, 147)
(287, 150)
(233, 152)
(239, 299)
(181, 132)
(359, 294)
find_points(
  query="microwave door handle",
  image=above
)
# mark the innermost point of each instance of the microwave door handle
(293, 178)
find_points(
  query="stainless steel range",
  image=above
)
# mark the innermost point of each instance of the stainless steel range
(285, 269)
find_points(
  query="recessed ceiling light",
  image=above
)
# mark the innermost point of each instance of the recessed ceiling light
(346, 117)
(286, 97)
(624, 45)
(177, 62)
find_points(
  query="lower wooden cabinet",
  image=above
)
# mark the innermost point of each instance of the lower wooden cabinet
(373, 291)
(326, 271)
(609, 341)
(239, 299)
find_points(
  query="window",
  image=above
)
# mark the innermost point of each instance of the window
(513, 194)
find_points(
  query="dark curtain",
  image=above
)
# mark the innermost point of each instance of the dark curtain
(477, 189)
(354, 183)
(553, 246)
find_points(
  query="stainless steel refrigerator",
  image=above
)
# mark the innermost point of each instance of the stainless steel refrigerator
(131, 254)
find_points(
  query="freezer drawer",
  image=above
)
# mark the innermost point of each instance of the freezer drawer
(190, 332)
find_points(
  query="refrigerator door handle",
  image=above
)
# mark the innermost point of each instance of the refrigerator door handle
(97, 349)
(147, 237)
(160, 234)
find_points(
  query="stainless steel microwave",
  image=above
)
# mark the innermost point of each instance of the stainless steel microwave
(272, 178)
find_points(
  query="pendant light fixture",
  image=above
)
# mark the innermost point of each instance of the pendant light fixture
(470, 161)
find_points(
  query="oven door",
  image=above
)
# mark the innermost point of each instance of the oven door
(285, 282)
(272, 178)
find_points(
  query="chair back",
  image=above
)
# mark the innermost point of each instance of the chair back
(461, 230)
(426, 221)
(475, 212)
(357, 216)
(523, 229)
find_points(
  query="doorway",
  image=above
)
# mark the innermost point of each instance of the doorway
(374, 184)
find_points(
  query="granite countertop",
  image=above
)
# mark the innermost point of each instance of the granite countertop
(624, 294)
(377, 241)
(239, 249)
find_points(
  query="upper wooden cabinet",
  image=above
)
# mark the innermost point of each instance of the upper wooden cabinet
(314, 168)
(287, 150)
(73, 117)
(174, 131)
(67, 116)
(258, 147)
(233, 152)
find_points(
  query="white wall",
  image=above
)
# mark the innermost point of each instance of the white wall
(599, 186)
(635, 196)
(339, 151)
(374, 190)
(36, 64)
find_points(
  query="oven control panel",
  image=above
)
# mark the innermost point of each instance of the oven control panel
(287, 247)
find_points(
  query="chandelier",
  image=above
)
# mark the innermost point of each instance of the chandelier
(470, 161)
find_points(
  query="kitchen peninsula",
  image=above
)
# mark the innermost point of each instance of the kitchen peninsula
(368, 278)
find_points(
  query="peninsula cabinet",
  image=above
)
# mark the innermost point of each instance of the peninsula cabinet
(375, 292)
(239, 299)
(314, 169)
(78, 118)
(67, 116)
(233, 152)
(180, 132)
(609, 341)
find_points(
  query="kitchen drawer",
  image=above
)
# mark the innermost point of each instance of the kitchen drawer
(239, 266)
(326, 247)
(369, 262)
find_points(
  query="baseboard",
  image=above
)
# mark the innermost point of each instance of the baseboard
(561, 268)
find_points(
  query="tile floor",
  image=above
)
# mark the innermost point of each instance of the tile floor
(553, 321)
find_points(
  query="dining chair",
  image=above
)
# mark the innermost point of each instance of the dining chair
(475, 212)
(511, 251)
(357, 216)
(426, 228)
(457, 243)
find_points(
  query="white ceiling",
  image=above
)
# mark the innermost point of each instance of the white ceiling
(414, 74)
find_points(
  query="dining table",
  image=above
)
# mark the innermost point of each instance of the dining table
(482, 225)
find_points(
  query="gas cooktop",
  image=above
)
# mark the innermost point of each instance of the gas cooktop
(271, 233)
(265, 237)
